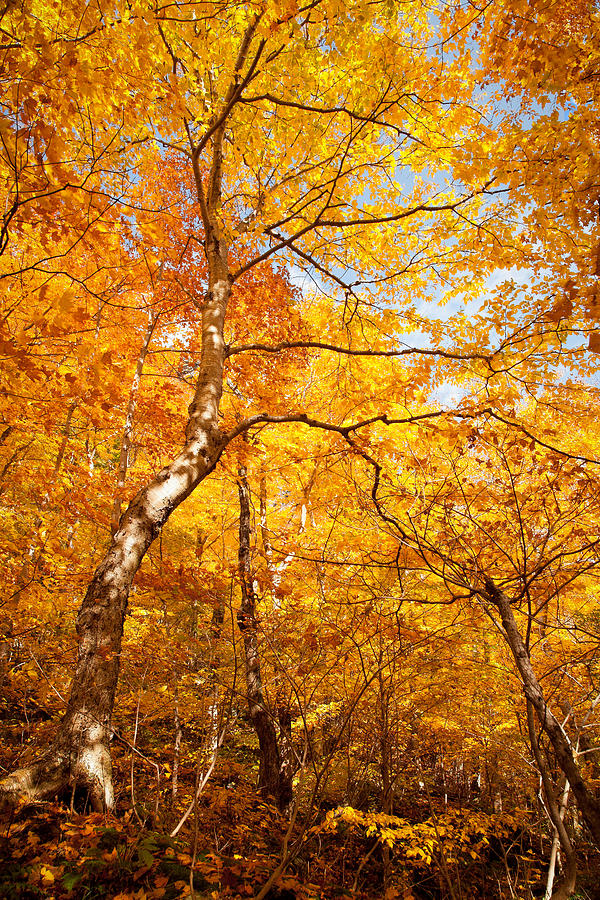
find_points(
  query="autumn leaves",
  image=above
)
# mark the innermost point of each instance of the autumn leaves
(160, 193)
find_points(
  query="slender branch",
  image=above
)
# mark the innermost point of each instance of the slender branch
(319, 221)
(237, 87)
(344, 430)
(348, 351)
(537, 440)
(405, 213)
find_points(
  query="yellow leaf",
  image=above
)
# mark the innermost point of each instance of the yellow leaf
(65, 304)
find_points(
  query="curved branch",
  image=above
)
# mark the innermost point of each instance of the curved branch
(344, 430)
(348, 351)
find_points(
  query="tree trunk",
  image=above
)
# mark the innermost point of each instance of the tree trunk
(29, 563)
(273, 777)
(128, 427)
(385, 764)
(214, 690)
(176, 742)
(275, 572)
(556, 815)
(587, 803)
(80, 754)
(289, 761)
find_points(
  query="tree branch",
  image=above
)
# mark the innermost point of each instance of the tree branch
(348, 351)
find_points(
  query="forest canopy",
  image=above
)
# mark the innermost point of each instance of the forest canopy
(299, 475)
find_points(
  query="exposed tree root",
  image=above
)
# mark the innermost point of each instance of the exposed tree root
(59, 773)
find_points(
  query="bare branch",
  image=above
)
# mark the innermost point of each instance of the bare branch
(348, 351)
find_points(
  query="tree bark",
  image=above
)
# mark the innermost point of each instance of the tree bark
(214, 712)
(176, 742)
(80, 754)
(128, 427)
(556, 815)
(275, 571)
(289, 762)
(29, 563)
(273, 776)
(587, 803)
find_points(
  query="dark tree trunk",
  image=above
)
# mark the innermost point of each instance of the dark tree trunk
(567, 886)
(274, 775)
(585, 799)
(289, 763)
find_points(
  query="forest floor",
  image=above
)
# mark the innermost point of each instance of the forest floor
(234, 841)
